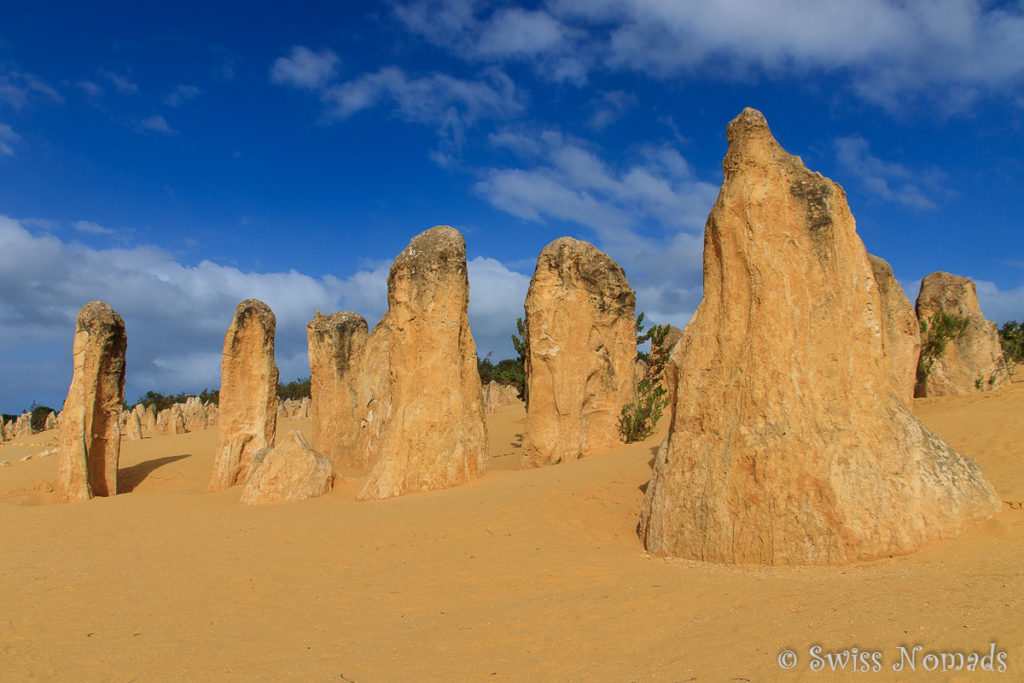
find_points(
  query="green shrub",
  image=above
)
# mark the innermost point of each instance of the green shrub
(39, 415)
(1011, 338)
(936, 333)
(640, 417)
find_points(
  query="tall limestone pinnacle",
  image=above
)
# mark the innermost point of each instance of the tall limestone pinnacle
(789, 441)
(581, 334)
(89, 425)
(247, 417)
(434, 435)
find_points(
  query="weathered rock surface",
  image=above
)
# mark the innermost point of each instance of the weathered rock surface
(133, 428)
(335, 345)
(970, 363)
(149, 419)
(435, 437)
(23, 425)
(51, 422)
(194, 414)
(372, 385)
(581, 332)
(789, 443)
(247, 417)
(90, 441)
(176, 421)
(288, 472)
(497, 396)
(901, 335)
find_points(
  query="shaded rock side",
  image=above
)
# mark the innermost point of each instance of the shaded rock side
(970, 363)
(789, 443)
(901, 335)
(335, 344)
(90, 435)
(247, 416)
(435, 437)
(581, 332)
(288, 472)
(372, 386)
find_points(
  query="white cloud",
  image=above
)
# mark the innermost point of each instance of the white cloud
(304, 68)
(477, 31)
(648, 215)
(181, 94)
(610, 107)
(91, 228)
(18, 89)
(7, 138)
(948, 52)
(889, 180)
(157, 124)
(176, 314)
(120, 83)
(519, 32)
(1000, 305)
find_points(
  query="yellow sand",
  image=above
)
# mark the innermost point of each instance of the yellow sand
(525, 575)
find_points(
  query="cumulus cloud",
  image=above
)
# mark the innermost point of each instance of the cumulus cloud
(451, 104)
(19, 89)
(1000, 305)
(176, 314)
(304, 68)
(478, 31)
(181, 94)
(648, 214)
(7, 138)
(889, 180)
(949, 52)
(157, 124)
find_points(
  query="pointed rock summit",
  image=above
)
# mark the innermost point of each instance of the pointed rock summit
(435, 436)
(90, 432)
(789, 443)
(248, 393)
(971, 362)
(581, 360)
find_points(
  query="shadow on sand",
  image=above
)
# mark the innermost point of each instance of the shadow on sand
(130, 477)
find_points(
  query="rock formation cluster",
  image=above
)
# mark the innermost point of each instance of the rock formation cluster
(789, 441)
(90, 439)
(581, 336)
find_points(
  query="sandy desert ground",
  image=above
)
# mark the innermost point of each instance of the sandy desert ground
(525, 575)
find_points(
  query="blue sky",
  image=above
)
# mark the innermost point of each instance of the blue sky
(173, 161)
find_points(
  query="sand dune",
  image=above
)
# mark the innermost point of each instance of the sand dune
(524, 575)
